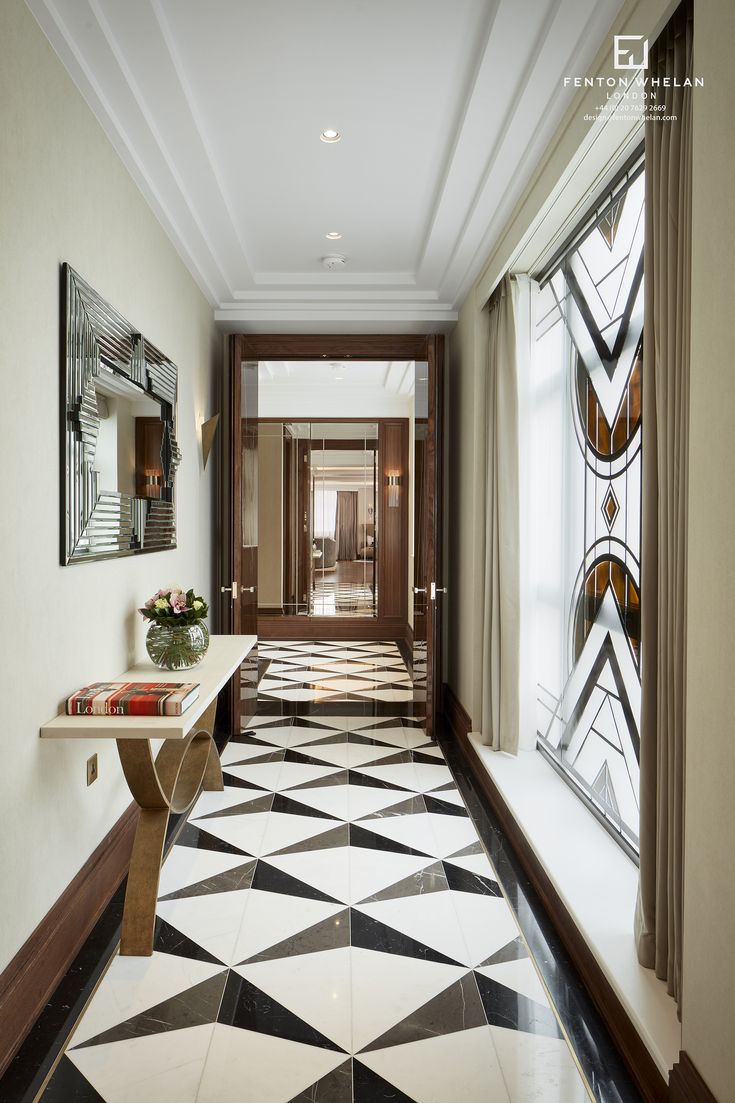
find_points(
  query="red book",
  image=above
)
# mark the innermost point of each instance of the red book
(132, 699)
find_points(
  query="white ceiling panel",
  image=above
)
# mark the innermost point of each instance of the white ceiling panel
(216, 109)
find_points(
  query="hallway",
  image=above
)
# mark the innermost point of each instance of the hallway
(330, 927)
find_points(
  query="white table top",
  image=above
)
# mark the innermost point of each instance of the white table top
(224, 656)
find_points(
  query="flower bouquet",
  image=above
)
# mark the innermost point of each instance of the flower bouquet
(177, 637)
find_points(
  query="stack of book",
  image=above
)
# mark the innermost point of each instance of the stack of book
(132, 699)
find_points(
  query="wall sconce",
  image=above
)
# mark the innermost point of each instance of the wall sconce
(209, 428)
(152, 483)
(393, 482)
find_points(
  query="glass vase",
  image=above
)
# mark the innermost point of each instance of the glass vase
(177, 647)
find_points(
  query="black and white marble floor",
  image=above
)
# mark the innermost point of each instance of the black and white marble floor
(332, 672)
(330, 930)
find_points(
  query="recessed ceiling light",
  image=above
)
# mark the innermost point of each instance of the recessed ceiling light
(330, 135)
(333, 235)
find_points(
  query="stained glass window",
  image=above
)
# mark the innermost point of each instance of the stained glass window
(586, 429)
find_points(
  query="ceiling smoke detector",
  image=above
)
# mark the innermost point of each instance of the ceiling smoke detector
(335, 262)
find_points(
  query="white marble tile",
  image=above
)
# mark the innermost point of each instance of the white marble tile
(243, 752)
(260, 1068)
(414, 830)
(164, 1067)
(325, 870)
(395, 695)
(475, 863)
(227, 798)
(347, 754)
(387, 987)
(459, 1066)
(316, 987)
(397, 773)
(185, 865)
(302, 694)
(330, 799)
(452, 833)
(487, 924)
(371, 871)
(135, 984)
(284, 829)
(264, 774)
(519, 975)
(244, 832)
(271, 917)
(212, 921)
(537, 1069)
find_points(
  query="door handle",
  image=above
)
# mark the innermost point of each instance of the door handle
(419, 589)
(230, 590)
(437, 590)
(248, 590)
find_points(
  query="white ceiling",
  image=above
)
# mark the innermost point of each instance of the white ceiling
(216, 108)
(335, 388)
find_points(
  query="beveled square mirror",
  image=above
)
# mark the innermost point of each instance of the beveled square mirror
(120, 453)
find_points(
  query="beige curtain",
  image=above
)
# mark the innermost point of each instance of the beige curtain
(665, 458)
(499, 460)
(346, 524)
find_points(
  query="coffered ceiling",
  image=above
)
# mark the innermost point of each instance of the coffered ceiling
(216, 108)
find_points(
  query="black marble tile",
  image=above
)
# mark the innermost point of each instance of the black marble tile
(412, 806)
(429, 879)
(360, 836)
(270, 755)
(511, 1009)
(368, 1087)
(332, 933)
(371, 934)
(462, 880)
(599, 1060)
(67, 1085)
(247, 808)
(294, 807)
(456, 1008)
(356, 778)
(328, 840)
(512, 951)
(199, 839)
(233, 782)
(232, 880)
(249, 1008)
(269, 879)
(443, 807)
(335, 1087)
(167, 940)
(195, 1006)
(301, 756)
(341, 777)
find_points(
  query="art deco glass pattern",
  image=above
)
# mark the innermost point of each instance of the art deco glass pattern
(587, 430)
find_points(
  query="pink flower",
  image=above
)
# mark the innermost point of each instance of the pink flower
(178, 602)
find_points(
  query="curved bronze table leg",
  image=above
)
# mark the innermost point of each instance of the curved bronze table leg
(169, 783)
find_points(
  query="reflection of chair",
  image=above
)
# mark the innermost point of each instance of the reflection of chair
(366, 548)
(328, 547)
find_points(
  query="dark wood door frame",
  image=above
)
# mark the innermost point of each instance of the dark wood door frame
(323, 346)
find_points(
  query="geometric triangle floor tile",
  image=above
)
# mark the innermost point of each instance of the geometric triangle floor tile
(329, 927)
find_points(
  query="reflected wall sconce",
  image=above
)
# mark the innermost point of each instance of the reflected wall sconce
(209, 428)
(152, 483)
(393, 482)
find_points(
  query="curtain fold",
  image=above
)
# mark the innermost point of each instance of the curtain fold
(499, 490)
(346, 524)
(658, 921)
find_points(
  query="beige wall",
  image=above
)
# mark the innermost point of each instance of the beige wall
(709, 888)
(270, 515)
(65, 195)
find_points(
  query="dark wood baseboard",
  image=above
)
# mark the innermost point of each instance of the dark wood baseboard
(455, 714)
(686, 1085)
(331, 628)
(270, 611)
(35, 971)
(640, 1064)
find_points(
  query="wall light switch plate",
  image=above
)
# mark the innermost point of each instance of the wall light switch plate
(92, 769)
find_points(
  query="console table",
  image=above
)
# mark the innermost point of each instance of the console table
(186, 763)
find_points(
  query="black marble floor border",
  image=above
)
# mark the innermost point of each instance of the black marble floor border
(596, 1053)
(44, 1045)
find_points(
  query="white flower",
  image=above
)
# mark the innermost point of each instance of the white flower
(162, 603)
(198, 604)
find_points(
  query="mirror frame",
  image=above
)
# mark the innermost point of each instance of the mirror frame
(99, 523)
